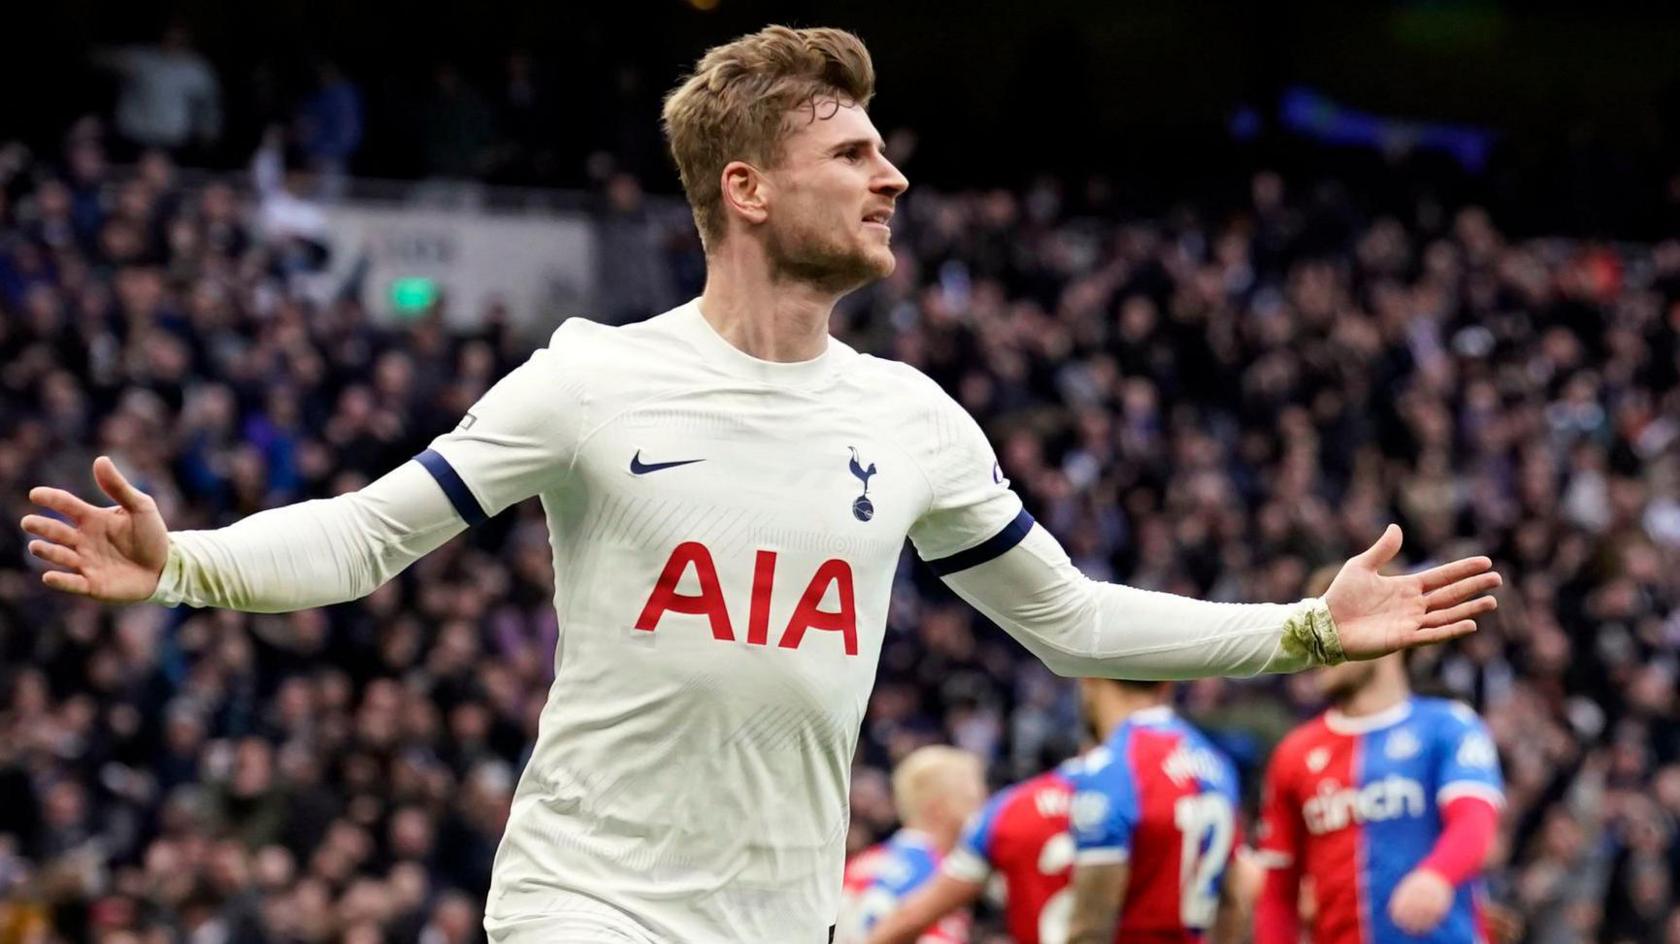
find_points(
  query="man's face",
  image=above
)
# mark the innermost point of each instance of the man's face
(830, 197)
(1339, 683)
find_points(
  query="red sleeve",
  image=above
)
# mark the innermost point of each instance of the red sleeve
(1277, 915)
(1468, 825)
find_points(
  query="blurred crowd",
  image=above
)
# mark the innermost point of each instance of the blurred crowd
(1213, 402)
(510, 118)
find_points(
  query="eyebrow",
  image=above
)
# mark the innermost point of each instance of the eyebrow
(880, 144)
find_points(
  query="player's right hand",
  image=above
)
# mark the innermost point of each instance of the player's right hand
(113, 554)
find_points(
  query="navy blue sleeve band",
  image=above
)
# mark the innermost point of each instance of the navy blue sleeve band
(450, 481)
(989, 549)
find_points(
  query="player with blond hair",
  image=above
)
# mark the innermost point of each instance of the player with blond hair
(935, 790)
(727, 490)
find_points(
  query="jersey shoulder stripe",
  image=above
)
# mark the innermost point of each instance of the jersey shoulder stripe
(453, 486)
(990, 549)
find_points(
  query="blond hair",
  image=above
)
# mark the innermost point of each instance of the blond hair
(735, 104)
(924, 774)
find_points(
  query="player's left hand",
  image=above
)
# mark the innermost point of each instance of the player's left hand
(1420, 901)
(1377, 614)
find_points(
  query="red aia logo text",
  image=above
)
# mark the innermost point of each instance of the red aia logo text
(709, 601)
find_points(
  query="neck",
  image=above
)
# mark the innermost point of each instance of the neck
(1384, 691)
(1118, 704)
(762, 313)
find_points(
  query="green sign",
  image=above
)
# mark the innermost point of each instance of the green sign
(412, 296)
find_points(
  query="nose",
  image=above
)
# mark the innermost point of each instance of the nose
(890, 181)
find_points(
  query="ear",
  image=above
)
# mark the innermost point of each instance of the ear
(746, 191)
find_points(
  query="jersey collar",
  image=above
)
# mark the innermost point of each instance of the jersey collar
(1364, 724)
(1155, 715)
(720, 354)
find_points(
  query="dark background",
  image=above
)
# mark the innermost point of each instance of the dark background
(1583, 99)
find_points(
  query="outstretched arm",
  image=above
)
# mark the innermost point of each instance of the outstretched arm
(310, 554)
(516, 442)
(1082, 627)
(315, 553)
(976, 536)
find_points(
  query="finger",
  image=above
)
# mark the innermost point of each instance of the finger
(1463, 611)
(1434, 634)
(1384, 550)
(1437, 577)
(68, 583)
(1462, 590)
(56, 554)
(52, 529)
(62, 502)
(112, 483)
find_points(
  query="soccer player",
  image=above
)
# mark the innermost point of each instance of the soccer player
(1021, 834)
(727, 490)
(1389, 804)
(1154, 824)
(936, 790)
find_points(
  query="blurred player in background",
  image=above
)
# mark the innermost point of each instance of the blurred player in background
(1387, 805)
(1154, 823)
(728, 490)
(1020, 836)
(936, 790)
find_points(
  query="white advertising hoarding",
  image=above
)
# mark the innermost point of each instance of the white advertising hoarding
(541, 267)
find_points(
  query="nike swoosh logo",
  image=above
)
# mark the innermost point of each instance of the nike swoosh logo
(638, 467)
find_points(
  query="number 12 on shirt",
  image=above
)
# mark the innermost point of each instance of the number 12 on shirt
(1206, 826)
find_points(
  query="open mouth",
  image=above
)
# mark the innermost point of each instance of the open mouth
(878, 218)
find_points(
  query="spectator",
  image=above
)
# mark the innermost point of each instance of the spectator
(289, 214)
(633, 280)
(527, 122)
(456, 127)
(329, 127)
(169, 96)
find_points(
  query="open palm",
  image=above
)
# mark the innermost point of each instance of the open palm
(1376, 614)
(113, 554)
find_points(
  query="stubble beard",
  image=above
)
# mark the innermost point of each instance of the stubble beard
(829, 265)
(1346, 689)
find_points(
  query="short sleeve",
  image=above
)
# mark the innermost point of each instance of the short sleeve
(971, 858)
(1279, 833)
(518, 440)
(974, 516)
(1469, 762)
(1105, 810)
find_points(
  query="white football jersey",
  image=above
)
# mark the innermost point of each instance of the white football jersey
(725, 532)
